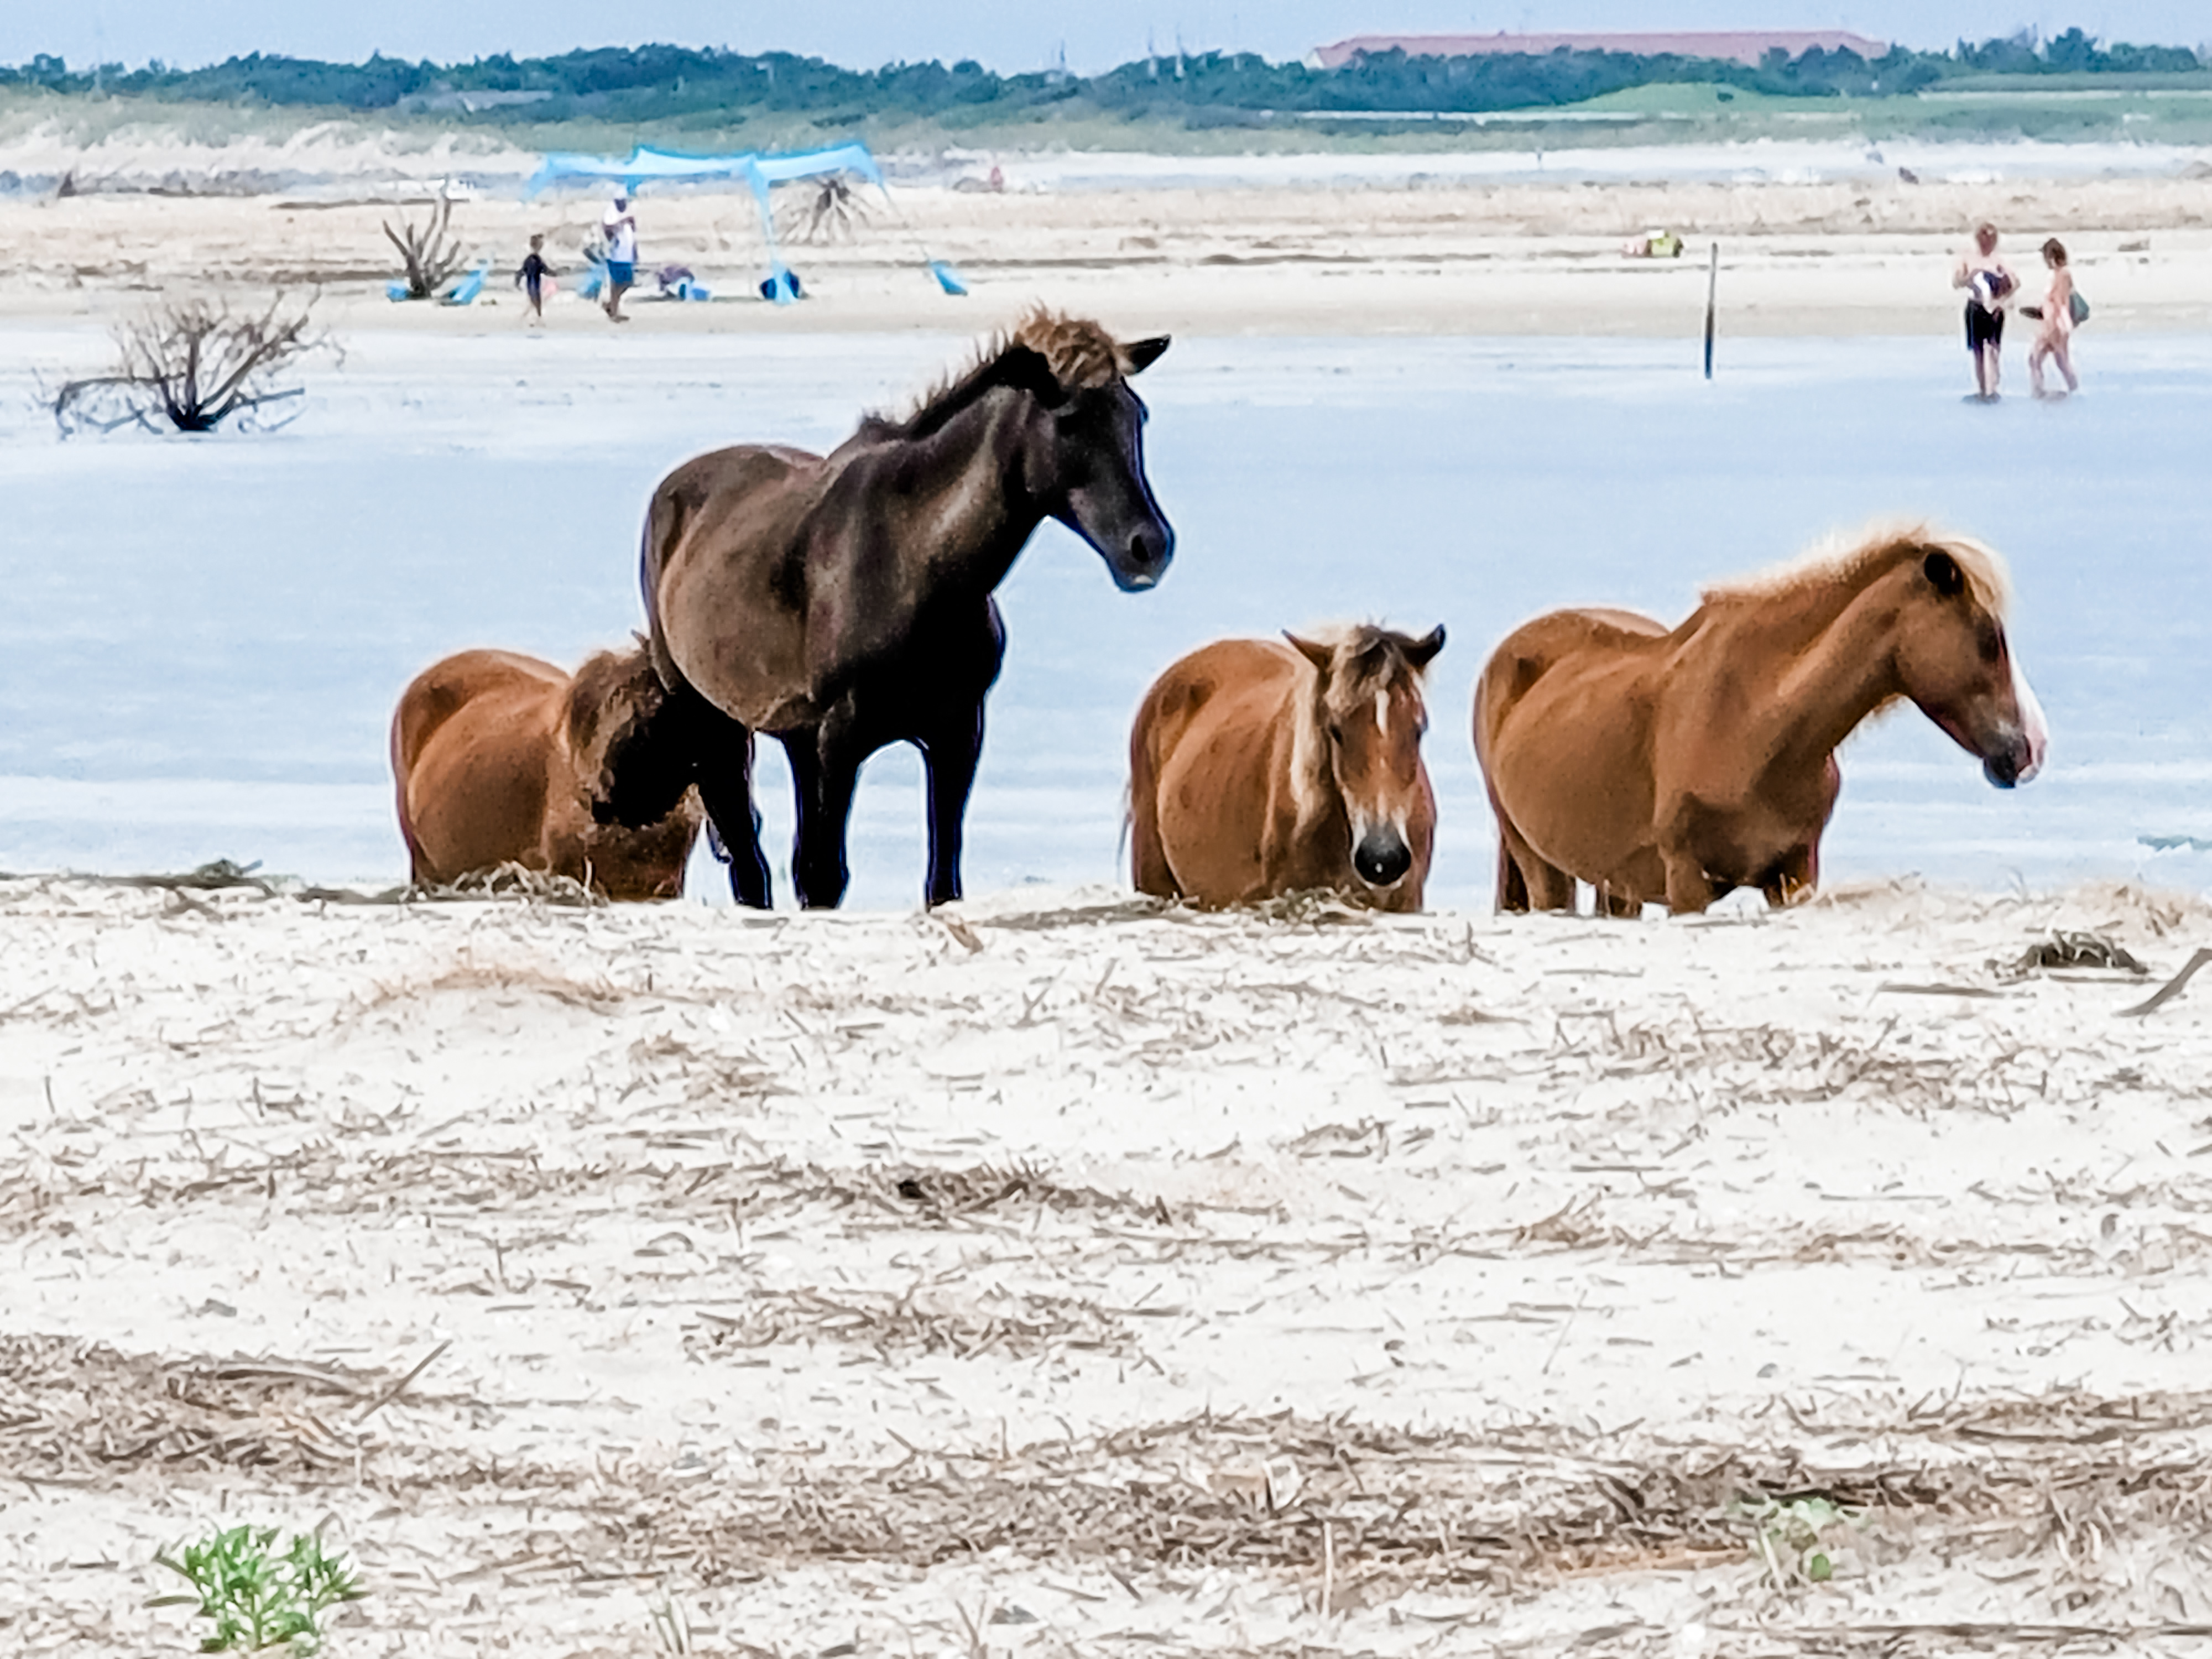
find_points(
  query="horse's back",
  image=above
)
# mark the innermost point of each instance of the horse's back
(1247, 673)
(1562, 728)
(471, 746)
(1208, 739)
(442, 690)
(1561, 651)
(724, 539)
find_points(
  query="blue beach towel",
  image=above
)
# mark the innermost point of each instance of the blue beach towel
(464, 291)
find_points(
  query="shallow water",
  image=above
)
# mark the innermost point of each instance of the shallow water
(203, 638)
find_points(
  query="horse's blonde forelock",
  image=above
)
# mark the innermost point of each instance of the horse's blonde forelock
(1082, 354)
(1850, 559)
(1358, 669)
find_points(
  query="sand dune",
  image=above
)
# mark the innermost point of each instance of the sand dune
(1185, 1283)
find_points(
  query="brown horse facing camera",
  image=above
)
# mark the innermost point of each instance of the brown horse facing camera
(1257, 769)
(503, 759)
(1676, 766)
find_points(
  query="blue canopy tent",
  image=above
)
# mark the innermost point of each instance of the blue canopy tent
(646, 165)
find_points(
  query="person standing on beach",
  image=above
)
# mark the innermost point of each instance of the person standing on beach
(531, 278)
(1988, 286)
(2054, 336)
(621, 228)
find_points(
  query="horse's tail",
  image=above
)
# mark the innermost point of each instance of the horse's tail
(401, 763)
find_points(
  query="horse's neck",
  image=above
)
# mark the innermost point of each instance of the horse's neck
(1836, 668)
(971, 511)
(1313, 793)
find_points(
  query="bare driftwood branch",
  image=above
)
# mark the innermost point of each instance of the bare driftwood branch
(832, 214)
(432, 257)
(2172, 987)
(189, 366)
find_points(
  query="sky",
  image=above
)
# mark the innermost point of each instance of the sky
(1007, 35)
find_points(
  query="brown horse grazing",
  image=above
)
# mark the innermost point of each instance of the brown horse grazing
(502, 758)
(1676, 766)
(1257, 769)
(843, 603)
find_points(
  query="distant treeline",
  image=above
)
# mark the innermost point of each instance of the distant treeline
(659, 82)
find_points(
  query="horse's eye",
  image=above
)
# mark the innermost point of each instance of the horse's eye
(1988, 638)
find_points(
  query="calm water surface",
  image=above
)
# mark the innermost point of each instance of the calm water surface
(202, 639)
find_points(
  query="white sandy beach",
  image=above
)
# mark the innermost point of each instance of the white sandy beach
(1439, 256)
(838, 1279)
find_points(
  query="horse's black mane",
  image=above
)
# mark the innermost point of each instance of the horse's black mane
(1076, 352)
(937, 410)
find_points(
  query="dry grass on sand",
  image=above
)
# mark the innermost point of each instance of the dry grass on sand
(1076, 1276)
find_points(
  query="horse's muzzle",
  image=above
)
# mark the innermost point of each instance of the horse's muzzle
(1144, 560)
(1382, 858)
(2017, 763)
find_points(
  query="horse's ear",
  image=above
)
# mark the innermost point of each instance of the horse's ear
(1318, 654)
(1143, 353)
(1944, 574)
(1422, 651)
(1025, 369)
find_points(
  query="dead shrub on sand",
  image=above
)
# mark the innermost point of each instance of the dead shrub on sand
(189, 366)
(432, 256)
(2062, 950)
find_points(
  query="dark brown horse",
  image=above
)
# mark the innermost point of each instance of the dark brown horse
(1673, 765)
(1257, 769)
(843, 603)
(503, 759)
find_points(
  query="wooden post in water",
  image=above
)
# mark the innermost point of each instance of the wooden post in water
(1712, 292)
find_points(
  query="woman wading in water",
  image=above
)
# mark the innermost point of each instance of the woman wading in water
(2054, 339)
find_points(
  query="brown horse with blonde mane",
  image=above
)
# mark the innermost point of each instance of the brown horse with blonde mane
(1673, 765)
(503, 759)
(1257, 769)
(842, 603)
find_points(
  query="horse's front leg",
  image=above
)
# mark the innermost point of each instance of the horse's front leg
(825, 764)
(726, 788)
(951, 752)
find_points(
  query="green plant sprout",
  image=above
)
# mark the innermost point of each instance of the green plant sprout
(259, 1600)
(1791, 1538)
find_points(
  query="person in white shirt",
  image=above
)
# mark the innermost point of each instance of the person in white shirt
(620, 226)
